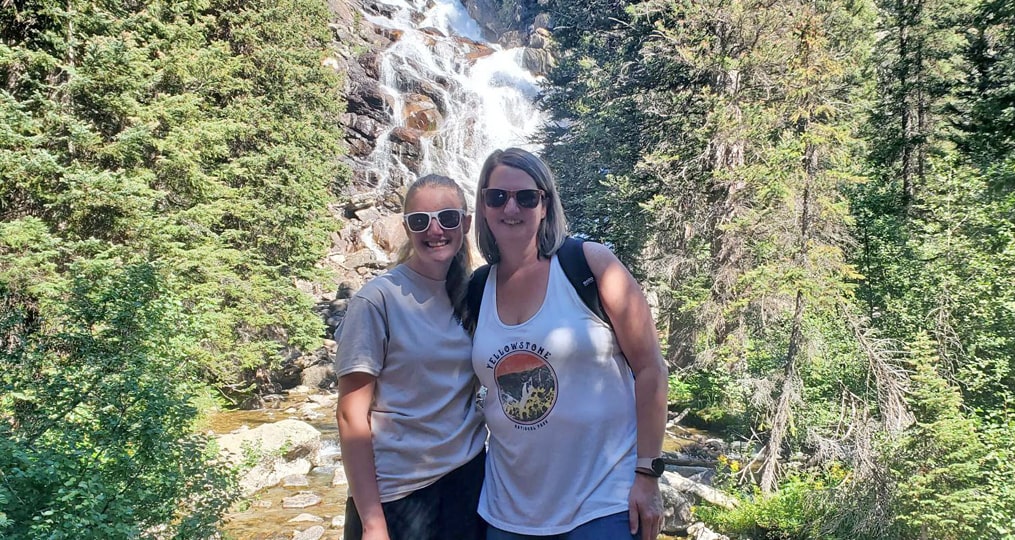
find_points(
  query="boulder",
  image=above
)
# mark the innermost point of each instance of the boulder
(318, 376)
(269, 472)
(278, 449)
(542, 21)
(389, 233)
(538, 61)
(676, 508)
(420, 112)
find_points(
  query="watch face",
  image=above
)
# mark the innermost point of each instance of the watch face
(658, 466)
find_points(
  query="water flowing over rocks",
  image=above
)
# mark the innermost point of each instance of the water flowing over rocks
(428, 90)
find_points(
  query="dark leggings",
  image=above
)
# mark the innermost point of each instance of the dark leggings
(444, 510)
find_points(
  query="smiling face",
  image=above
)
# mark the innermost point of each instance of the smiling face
(435, 247)
(512, 224)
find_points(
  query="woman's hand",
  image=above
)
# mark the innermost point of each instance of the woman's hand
(645, 507)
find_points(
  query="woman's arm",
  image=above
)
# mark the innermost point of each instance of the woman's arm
(635, 329)
(356, 392)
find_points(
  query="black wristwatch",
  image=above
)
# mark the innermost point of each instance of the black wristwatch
(650, 466)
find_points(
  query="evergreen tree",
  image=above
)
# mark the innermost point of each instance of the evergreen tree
(989, 98)
(166, 172)
(202, 135)
(937, 461)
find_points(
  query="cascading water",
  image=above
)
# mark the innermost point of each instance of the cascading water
(455, 97)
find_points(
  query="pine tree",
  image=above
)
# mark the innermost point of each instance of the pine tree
(937, 461)
(200, 135)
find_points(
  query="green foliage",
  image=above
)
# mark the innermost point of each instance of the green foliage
(166, 174)
(989, 96)
(997, 432)
(788, 514)
(200, 134)
(679, 391)
(600, 91)
(937, 463)
(95, 414)
(735, 134)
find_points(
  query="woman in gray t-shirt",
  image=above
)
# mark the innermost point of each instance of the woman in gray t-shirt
(412, 439)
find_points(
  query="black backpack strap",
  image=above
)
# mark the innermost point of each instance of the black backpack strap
(474, 298)
(572, 260)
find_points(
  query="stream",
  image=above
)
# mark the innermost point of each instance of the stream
(262, 516)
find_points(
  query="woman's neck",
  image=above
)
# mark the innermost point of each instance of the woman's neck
(434, 271)
(512, 260)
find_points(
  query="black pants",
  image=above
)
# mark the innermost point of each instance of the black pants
(444, 510)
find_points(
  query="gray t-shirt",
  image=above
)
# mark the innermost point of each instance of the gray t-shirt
(400, 328)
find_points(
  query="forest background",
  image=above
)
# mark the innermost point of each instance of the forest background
(819, 197)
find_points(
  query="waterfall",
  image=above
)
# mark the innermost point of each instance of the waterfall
(454, 97)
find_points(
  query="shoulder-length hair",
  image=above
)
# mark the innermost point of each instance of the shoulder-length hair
(553, 228)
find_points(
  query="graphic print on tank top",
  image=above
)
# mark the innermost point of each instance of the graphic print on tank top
(527, 387)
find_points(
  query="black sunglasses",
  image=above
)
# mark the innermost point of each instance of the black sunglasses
(526, 198)
(449, 218)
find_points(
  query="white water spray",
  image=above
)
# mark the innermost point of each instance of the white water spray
(485, 97)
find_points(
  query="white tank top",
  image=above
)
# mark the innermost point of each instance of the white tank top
(561, 413)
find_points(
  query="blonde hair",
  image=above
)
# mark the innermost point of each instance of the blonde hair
(553, 228)
(458, 273)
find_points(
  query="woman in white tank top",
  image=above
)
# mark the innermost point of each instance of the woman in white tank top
(576, 408)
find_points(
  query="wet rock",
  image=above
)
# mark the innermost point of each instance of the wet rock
(306, 518)
(538, 61)
(420, 112)
(324, 400)
(339, 479)
(434, 32)
(270, 472)
(369, 128)
(295, 480)
(303, 499)
(313, 533)
(309, 412)
(476, 50)
(406, 136)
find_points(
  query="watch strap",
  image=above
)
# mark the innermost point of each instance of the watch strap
(650, 466)
(644, 463)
